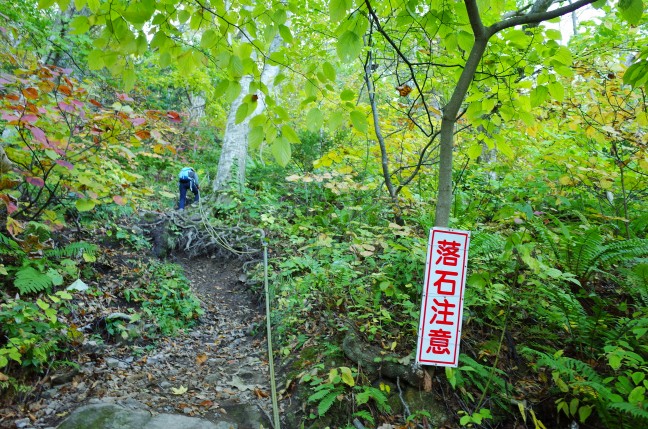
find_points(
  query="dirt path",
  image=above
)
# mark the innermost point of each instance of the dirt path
(218, 370)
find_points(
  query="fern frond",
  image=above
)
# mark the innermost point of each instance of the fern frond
(581, 253)
(72, 250)
(326, 403)
(486, 245)
(623, 250)
(9, 247)
(632, 409)
(30, 280)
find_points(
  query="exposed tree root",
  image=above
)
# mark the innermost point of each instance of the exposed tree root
(373, 360)
(191, 233)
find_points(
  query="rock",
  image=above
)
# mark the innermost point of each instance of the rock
(112, 362)
(22, 423)
(113, 416)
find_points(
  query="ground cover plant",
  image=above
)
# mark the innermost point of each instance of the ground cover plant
(338, 156)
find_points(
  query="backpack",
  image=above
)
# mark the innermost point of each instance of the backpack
(186, 174)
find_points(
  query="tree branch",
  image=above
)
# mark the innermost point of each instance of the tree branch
(534, 17)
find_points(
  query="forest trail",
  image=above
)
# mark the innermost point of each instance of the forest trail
(217, 371)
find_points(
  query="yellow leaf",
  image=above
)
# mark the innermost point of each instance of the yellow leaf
(347, 376)
(179, 391)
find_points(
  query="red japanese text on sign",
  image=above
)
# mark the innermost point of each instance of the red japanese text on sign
(442, 303)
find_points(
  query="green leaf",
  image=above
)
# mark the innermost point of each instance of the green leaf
(241, 113)
(281, 151)
(84, 205)
(584, 412)
(359, 121)
(326, 403)
(55, 276)
(78, 4)
(347, 376)
(208, 39)
(539, 95)
(347, 95)
(235, 66)
(338, 9)
(255, 137)
(474, 151)
(129, 79)
(557, 91)
(314, 119)
(349, 46)
(139, 12)
(329, 71)
(80, 25)
(44, 4)
(637, 395)
(289, 134)
(631, 10)
(285, 33)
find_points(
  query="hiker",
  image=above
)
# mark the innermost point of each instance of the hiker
(188, 180)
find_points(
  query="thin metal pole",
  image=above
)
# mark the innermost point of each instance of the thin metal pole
(273, 385)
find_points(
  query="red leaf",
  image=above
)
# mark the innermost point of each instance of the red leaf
(64, 163)
(30, 93)
(36, 181)
(39, 135)
(95, 102)
(143, 134)
(119, 200)
(174, 116)
(11, 207)
(137, 121)
(66, 107)
(9, 117)
(124, 97)
(29, 118)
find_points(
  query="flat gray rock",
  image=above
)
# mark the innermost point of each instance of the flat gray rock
(114, 416)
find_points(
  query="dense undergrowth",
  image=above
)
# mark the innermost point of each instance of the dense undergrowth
(556, 305)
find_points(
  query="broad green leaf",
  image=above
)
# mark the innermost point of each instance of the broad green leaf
(314, 119)
(281, 151)
(359, 121)
(557, 91)
(129, 79)
(285, 33)
(474, 151)
(138, 12)
(235, 66)
(631, 10)
(208, 39)
(539, 95)
(241, 113)
(338, 9)
(93, 5)
(78, 4)
(84, 205)
(347, 95)
(44, 4)
(349, 46)
(289, 134)
(335, 120)
(280, 16)
(80, 24)
(329, 71)
(233, 91)
(255, 137)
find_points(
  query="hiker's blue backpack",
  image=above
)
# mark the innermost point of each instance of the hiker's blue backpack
(185, 174)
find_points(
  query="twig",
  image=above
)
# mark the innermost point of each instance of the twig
(400, 395)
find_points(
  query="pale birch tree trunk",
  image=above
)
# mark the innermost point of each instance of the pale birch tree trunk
(235, 140)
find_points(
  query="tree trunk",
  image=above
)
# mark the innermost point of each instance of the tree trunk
(235, 140)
